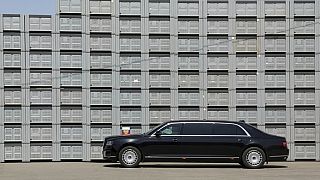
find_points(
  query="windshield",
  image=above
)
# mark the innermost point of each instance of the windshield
(153, 129)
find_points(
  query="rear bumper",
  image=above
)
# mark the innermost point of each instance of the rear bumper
(277, 158)
(277, 154)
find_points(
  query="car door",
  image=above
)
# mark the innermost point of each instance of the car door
(165, 145)
(228, 140)
(197, 140)
(212, 140)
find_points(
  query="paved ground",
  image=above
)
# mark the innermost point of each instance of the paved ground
(156, 171)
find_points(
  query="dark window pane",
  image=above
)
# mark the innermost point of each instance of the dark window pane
(240, 131)
(227, 129)
(197, 129)
(224, 129)
(173, 129)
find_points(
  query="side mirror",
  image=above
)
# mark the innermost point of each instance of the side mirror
(158, 134)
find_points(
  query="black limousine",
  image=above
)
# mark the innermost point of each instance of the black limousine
(198, 141)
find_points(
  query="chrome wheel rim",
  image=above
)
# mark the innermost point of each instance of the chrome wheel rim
(254, 158)
(130, 157)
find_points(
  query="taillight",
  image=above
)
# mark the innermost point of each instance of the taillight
(285, 144)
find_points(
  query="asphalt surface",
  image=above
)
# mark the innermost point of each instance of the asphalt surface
(156, 171)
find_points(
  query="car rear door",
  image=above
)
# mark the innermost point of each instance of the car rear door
(166, 145)
(228, 140)
(212, 140)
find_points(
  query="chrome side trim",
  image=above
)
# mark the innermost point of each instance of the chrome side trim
(278, 156)
(204, 135)
(109, 156)
(186, 157)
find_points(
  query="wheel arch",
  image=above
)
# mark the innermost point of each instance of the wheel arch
(258, 146)
(133, 145)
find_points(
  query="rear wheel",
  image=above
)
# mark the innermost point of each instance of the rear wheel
(129, 157)
(253, 158)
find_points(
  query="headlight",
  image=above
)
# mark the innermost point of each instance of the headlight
(109, 143)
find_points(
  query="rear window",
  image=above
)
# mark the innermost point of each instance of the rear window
(197, 129)
(227, 129)
(254, 131)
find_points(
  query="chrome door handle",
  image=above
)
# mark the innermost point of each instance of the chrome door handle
(239, 140)
(175, 140)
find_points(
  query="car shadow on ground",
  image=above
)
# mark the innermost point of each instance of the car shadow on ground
(186, 166)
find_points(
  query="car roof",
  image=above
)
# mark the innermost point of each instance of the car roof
(201, 121)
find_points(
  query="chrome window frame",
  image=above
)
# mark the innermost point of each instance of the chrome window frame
(246, 132)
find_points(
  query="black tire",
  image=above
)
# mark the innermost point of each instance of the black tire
(241, 163)
(253, 158)
(129, 157)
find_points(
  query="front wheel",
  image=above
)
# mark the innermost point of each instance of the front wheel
(241, 164)
(129, 157)
(253, 158)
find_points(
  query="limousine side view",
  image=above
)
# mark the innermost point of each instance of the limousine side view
(198, 141)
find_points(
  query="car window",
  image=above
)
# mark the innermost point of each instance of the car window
(240, 131)
(197, 129)
(227, 129)
(154, 129)
(173, 129)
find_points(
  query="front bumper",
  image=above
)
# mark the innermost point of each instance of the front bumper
(109, 154)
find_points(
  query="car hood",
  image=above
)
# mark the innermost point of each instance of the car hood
(110, 138)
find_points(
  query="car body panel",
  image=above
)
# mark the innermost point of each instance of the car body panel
(212, 146)
(170, 146)
(198, 148)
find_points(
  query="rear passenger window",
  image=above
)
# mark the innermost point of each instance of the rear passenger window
(197, 129)
(227, 129)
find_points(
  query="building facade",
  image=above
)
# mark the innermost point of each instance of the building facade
(70, 79)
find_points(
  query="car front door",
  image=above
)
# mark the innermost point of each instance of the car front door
(166, 144)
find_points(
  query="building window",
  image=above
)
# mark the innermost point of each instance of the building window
(100, 7)
(188, 27)
(159, 26)
(11, 23)
(246, 9)
(100, 25)
(70, 24)
(130, 26)
(73, 6)
(100, 43)
(159, 8)
(40, 24)
(130, 8)
(188, 9)
(218, 9)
